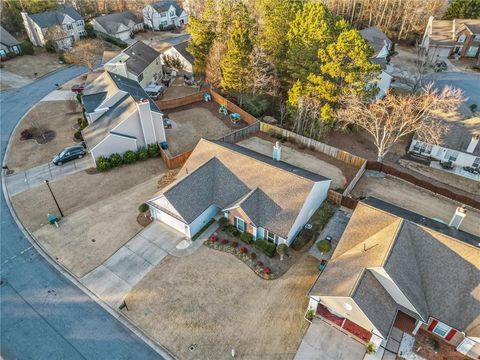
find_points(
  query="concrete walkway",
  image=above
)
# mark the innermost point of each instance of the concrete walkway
(60, 95)
(114, 279)
(324, 342)
(23, 180)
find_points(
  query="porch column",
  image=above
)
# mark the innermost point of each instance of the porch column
(417, 327)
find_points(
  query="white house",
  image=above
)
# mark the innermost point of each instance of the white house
(459, 145)
(8, 44)
(63, 25)
(397, 272)
(164, 13)
(265, 197)
(138, 62)
(180, 52)
(119, 25)
(120, 115)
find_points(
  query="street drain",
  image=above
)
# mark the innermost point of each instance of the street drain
(93, 240)
(192, 347)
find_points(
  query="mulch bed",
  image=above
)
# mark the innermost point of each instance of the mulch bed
(144, 219)
(39, 135)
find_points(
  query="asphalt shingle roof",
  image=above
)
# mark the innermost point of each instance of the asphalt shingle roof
(162, 6)
(55, 17)
(6, 38)
(376, 38)
(140, 55)
(182, 49)
(112, 22)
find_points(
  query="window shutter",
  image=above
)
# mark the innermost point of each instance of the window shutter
(432, 325)
(450, 334)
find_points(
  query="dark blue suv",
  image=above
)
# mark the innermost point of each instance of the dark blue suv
(68, 154)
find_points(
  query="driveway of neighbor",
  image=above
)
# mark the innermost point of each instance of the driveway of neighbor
(413, 198)
(215, 301)
(297, 158)
(324, 342)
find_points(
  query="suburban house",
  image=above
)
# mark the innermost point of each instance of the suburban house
(8, 44)
(459, 145)
(180, 51)
(120, 116)
(118, 25)
(63, 25)
(164, 14)
(263, 196)
(394, 271)
(138, 62)
(382, 47)
(458, 37)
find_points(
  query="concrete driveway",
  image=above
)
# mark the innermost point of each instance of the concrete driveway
(324, 342)
(468, 82)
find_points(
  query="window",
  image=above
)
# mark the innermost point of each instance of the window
(69, 27)
(472, 51)
(451, 155)
(240, 224)
(476, 163)
(476, 37)
(140, 77)
(441, 329)
(269, 236)
(3, 53)
(164, 23)
(172, 13)
(461, 38)
(422, 148)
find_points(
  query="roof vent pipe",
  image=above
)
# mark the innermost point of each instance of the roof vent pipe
(458, 217)
(277, 151)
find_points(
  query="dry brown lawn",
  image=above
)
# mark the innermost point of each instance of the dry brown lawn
(50, 115)
(413, 198)
(41, 63)
(213, 300)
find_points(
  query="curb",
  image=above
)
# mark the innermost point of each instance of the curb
(158, 348)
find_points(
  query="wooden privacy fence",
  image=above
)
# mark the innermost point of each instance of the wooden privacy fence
(174, 162)
(329, 150)
(357, 177)
(240, 134)
(249, 119)
(186, 100)
(338, 199)
(377, 166)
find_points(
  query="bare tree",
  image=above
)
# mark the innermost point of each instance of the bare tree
(395, 116)
(86, 52)
(307, 120)
(173, 61)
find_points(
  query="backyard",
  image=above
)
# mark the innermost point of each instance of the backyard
(178, 89)
(56, 116)
(212, 300)
(192, 122)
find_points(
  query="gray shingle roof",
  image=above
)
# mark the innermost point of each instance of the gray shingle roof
(223, 174)
(376, 38)
(162, 6)
(92, 101)
(140, 56)
(182, 49)
(55, 17)
(459, 134)
(6, 38)
(437, 273)
(112, 22)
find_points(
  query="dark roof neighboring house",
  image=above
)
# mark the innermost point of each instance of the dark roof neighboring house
(271, 192)
(7, 39)
(112, 22)
(376, 38)
(182, 49)
(162, 6)
(140, 55)
(55, 17)
(438, 273)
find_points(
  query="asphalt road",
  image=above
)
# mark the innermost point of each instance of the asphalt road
(468, 82)
(43, 315)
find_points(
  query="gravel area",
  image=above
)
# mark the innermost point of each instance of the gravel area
(212, 300)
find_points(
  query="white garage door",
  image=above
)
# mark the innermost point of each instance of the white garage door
(171, 221)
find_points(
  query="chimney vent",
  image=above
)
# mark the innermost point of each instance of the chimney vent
(458, 217)
(473, 142)
(277, 151)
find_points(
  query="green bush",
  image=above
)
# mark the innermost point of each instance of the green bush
(266, 247)
(102, 163)
(129, 157)
(473, 107)
(223, 221)
(256, 105)
(303, 237)
(282, 250)
(322, 216)
(142, 154)
(153, 150)
(114, 41)
(246, 237)
(50, 46)
(370, 348)
(232, 230)
(143, 208)
(27, 48)
(78, 135)
(82, 123)
(115, 160)
(324, 246)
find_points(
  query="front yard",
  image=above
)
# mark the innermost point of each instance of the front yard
(214, 301)
(57, 116)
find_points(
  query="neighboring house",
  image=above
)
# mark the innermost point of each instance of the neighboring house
(138, 62)
(118, 25)
(8, 44)
(267, 198)
(180, 51)
(63, 25)
(120, 115)
(458, 145)
(164, 13)
(382, 47)
(392, 264)
(458, 37)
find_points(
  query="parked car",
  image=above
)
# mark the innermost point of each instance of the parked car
(447, 165)
(471, 170)
(69, 154)
(78, 88)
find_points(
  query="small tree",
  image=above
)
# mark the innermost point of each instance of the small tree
(282, 250)
(370, 348)
(324, 246)
(143, 208)
(86, 52)
(27, 48)
(173, 61)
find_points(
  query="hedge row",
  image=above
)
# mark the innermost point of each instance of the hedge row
(266, 247)
(128, 157)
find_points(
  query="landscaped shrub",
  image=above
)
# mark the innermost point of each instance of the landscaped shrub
(282, 250)
(266, 270)
(259, 263)
(252, 256)
(324, 246)
(143, 208)
(243, 250)
(115, 160)
(102, 163)
(224, 242)
(213, 238)
(129, 157)
(142, 154)
(232, 230)
(26, 135)
(266, 247)
(256, 105)
(50, 46)
(370, 348)
(78, 135)
(153, 150)
(310, 314)
(223, 222)
(246, 237)
(27, 48)
(303, 237)
(234, 244)
(82, 123)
